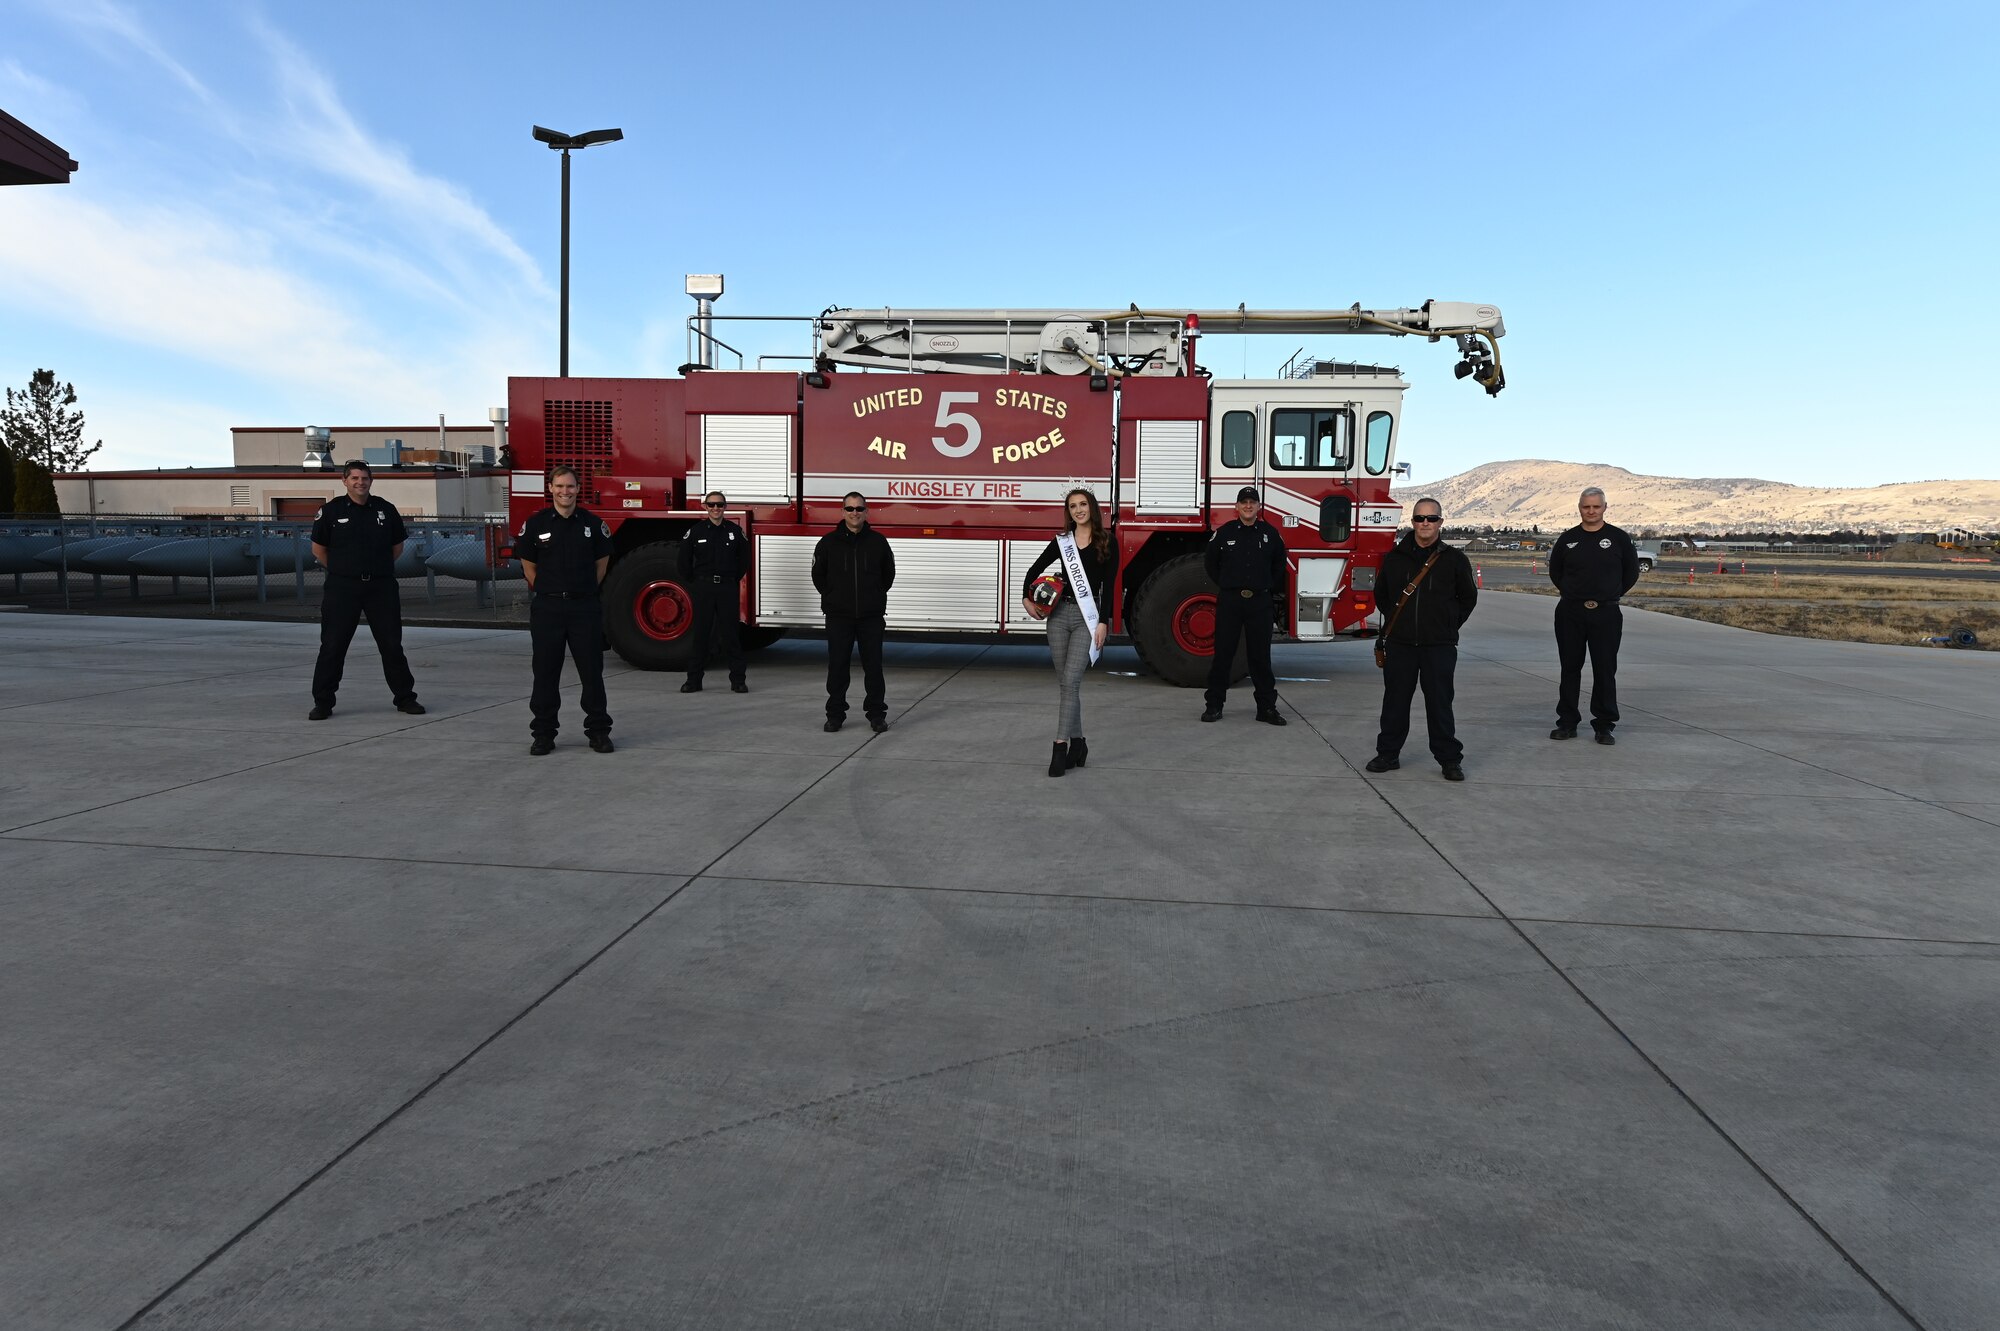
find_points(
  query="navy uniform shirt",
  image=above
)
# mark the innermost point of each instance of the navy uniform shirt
(1598, 566)
(715, 550)
(359, 538)
(1252, 556)
(564, 550)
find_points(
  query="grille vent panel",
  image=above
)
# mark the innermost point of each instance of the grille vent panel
(579, 433)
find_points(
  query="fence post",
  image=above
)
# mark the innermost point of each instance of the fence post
(299, 562)
(261, 588)
(208, 544)
(62, 564)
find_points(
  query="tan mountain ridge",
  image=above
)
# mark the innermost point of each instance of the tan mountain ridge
(1530, 493)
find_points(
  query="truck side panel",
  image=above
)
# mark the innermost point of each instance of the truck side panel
(947, 451)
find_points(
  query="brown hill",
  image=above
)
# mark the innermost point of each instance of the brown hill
(1532, 493)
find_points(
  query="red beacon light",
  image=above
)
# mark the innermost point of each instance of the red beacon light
(1194, 325)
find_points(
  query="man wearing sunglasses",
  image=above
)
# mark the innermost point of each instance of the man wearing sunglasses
(853, 567)
(714, 560)
(1421, 644)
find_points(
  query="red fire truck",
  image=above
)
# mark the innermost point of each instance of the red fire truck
(964, 429)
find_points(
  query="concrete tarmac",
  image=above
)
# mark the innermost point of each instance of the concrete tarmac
(380, 1022)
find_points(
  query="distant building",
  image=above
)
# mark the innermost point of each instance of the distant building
(423, 475)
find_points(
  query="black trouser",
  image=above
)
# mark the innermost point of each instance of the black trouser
(1238, 613)
(841, 636)
(342, 603)
(1597, 632)
(557, 624)
(1430, 665)
(715, 617)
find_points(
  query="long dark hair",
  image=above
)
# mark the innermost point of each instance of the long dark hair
(1100, 535)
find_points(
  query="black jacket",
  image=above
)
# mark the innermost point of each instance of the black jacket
(711, 550)
(1252, 556)
(1598, 566)
(1441, 604)
(853, 571)
(1102, 574)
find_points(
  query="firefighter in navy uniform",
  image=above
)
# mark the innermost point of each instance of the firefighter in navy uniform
(357, 539)
(1592, 564)
(714, 560)
(564, 551)
(1246, 559)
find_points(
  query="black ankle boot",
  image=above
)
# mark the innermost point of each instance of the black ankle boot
(1079, 750)
(1059, 760)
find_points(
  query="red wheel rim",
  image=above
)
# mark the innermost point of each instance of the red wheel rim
(663, 610)
(1193, 625)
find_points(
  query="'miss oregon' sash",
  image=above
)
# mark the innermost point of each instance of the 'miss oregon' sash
(1079, 586)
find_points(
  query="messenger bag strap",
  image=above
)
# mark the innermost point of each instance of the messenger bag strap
(1410, 591)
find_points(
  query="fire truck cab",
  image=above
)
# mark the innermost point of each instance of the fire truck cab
(965, 429)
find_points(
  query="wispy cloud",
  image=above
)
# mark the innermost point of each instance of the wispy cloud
(322, 135)
(101, 19)
(318, 268)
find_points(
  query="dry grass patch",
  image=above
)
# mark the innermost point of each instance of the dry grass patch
(1849, 608)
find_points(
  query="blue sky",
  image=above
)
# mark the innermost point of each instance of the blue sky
(1729, 239)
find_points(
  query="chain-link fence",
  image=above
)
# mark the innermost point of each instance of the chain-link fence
(254, 567)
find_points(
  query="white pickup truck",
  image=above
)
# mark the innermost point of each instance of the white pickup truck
(1652, 552)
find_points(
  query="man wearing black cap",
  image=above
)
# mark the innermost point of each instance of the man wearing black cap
(1246, 559)
(714, 560)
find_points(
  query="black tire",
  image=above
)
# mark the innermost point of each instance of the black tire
(1167, 619)
(644, 602)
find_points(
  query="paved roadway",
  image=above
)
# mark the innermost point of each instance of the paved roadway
(381, 1023)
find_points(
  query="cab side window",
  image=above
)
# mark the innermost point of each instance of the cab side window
(1380, 426)
(1239, 439)
(1312, 439)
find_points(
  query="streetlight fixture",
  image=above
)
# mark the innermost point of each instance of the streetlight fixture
(564, 143)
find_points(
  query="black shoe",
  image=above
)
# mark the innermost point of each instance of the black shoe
(878, 724)
(1563, 732)
(543, 744)
(1212, 714)
(1380, 764)
(738, 686)
(832, 724)
(1271, 716)
(1604, 737)
(319, 713)
(1454, 773)
(1079, 750)
(601, 744)
(410, 708)
(1059, 760)
(692, 686)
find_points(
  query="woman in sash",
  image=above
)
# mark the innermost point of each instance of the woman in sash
(1078, 615)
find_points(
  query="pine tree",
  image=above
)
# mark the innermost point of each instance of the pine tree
(38, 425)
(34, 488)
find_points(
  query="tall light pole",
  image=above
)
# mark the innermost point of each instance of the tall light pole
(563, 143)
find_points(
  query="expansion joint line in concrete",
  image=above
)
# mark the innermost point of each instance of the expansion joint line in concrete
(424, 1091)
(1787, 757)
(253, 767)
(1685, 1096)
(1180, 1021)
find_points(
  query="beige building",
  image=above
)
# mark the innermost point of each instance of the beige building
(446, 471)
